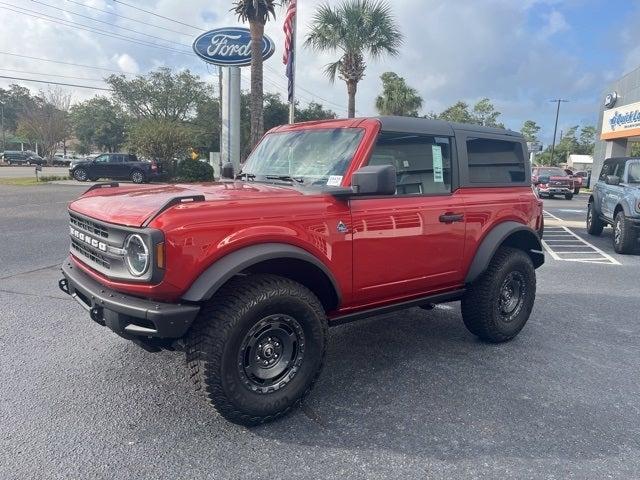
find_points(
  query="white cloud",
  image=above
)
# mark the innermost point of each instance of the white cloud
(127, 63)
(555, 23)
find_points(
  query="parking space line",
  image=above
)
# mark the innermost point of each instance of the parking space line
(565, 245)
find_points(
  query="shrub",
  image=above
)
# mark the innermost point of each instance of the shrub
(194, 171)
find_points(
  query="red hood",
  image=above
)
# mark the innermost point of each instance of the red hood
(131, 205)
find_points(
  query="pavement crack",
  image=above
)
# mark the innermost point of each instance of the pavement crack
(39, 295)
(32, 271)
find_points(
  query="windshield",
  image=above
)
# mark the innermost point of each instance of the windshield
(319, 157)
(556, 172)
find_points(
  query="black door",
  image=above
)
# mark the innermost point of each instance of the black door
(117, 167)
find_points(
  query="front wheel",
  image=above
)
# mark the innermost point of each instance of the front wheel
(623, 235)
(568, 196)
(257, 348)
(497, 305)
(594, 224)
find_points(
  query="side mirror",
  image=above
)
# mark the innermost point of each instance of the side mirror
(612, 180)
(374, 180)
(227, 171)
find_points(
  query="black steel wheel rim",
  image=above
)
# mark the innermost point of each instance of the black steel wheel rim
(512, 294)
(271, 353)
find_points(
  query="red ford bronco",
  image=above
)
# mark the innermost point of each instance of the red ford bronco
(327, 222)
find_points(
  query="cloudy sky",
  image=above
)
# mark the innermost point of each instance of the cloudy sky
(519, 53)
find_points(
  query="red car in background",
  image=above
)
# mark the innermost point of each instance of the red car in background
(551, 181)
(577, 181)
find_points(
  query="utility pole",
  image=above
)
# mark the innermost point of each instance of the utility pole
(555, 129)
(4, 147)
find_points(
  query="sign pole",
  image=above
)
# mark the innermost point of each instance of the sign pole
(292, 102)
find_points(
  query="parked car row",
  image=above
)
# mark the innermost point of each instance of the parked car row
(22, 157)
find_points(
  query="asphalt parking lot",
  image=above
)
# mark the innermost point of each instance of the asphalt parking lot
(404, 395)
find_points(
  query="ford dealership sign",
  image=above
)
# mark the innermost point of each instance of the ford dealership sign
(229, 47)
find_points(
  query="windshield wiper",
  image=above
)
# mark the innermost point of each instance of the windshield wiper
(285, 178)
(246, 176)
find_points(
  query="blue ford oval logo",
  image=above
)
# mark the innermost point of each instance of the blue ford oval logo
(229, 46)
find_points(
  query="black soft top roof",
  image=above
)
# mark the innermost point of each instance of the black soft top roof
(438, 127)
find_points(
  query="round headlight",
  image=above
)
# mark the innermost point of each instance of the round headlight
(137, 256)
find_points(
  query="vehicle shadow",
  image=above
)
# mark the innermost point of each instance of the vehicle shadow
(418, 383)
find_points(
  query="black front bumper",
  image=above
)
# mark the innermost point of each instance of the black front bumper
(126, 315)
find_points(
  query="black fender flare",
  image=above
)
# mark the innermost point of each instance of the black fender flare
(216, 275)
(496, 237)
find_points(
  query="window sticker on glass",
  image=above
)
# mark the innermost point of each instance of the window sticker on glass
(438, 176)
(334, 180)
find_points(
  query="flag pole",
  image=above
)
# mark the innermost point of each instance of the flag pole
(292, 100)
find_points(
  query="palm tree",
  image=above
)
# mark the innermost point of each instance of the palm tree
(354, 28)
(397, 98)
(257, 13)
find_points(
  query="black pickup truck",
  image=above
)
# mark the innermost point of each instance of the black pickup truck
(120, 166)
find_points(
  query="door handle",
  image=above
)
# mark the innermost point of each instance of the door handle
(451, 217)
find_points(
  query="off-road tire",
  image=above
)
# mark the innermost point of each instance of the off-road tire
(80, 174)
(217, 337)
(481, 305)
(137, 177)
(623, 235)
(594, 224)
(568, 196)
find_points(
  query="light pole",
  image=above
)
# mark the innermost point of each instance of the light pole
(555, 129)
(2, 121)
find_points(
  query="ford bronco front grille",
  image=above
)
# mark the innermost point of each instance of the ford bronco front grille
(89, 226)
(88, 252)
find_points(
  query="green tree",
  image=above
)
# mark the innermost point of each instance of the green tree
(458, 112)
(15, 100)
(160, 140)
(99, 123)
(257, 13)
(484, 113)
(397, 98)
(587, 140)
(160, 95)
(354, 28)
(314, 111)
(530, 130)
(205, 126)
(44, 124)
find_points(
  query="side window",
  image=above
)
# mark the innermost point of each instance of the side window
(619, 171)
(116, 158)
(606, 170)
(422, 162)
(130, 158)
(495, 161)
(102, 159)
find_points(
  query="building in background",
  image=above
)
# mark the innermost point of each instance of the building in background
(619, 121)
(579, 162)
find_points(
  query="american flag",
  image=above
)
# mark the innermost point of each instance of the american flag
(289, 44)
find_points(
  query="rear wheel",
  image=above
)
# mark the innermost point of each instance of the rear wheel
(568, 196)
(80, 174)
(623, 235)
(137, 176)
(594, 224)
(497, 305)
(257, 348)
